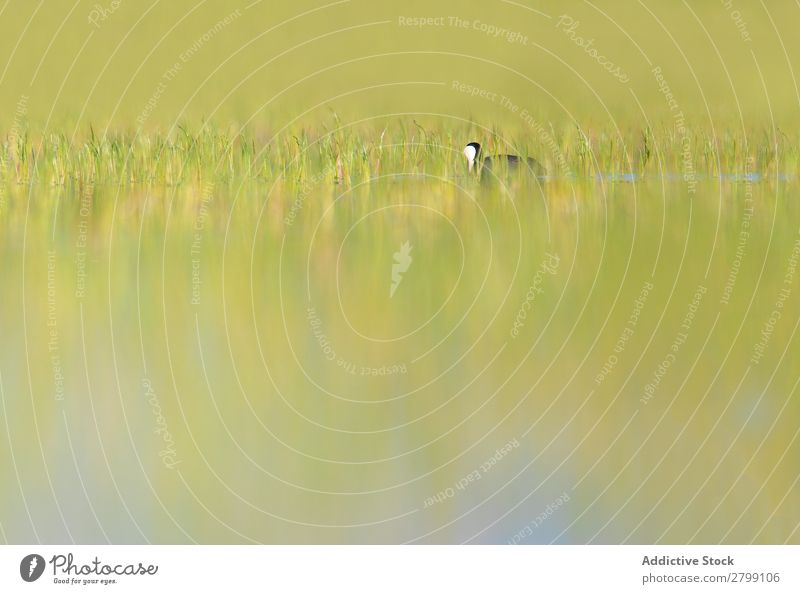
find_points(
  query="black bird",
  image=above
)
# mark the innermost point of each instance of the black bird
(473, 151)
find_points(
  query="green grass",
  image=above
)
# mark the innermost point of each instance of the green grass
(353, 155)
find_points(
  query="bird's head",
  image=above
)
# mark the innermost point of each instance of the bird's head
(471, 153)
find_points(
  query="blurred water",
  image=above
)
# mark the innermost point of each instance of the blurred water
(232, 365)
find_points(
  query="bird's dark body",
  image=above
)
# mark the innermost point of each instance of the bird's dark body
(513, 162)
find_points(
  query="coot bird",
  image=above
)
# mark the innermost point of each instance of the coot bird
(513, 162)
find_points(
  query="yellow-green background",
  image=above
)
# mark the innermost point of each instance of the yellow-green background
(106, 75)
(267, 454)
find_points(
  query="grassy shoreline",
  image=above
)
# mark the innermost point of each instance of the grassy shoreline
(352, 156)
